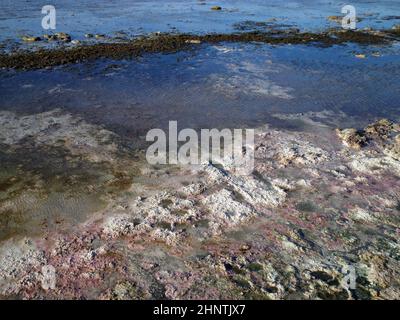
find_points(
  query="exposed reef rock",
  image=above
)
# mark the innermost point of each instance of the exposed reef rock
(352, 138)
(377, 132)
(312, 211)
(167, 43)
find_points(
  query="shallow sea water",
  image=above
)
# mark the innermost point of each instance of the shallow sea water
(144, 16)
(215, 86)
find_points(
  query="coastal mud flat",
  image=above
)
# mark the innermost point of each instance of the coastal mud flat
(317, 202)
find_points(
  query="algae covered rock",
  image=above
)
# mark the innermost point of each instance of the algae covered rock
(378, 132)
(62, 36)
(30, 38)
(352, 138)
(380, 129)
(50, 37)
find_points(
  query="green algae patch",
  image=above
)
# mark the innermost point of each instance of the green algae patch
(255, 267)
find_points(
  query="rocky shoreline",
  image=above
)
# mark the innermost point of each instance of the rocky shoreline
(317, 202)
(169, 43)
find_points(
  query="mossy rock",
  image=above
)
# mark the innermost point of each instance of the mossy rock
(125, 291)
(332, 295)
(164, 225)
(361, 293)
(398, 205)
(255, 267)
(321, 275)
(179, 212)
(165, 203)
(204, 223)
(242, 282)
(256, 295)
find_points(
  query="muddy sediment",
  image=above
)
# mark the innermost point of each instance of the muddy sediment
(169, 43)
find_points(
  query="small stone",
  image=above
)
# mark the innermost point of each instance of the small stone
(193, 41)
(62, 36)
(50, 37)
(245, 247)
(89, 35)
(99, 36)
(360, 56)
(216, 8)
(30, 39)
(335, 18)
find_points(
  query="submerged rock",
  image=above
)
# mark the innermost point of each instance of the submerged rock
(335, 18)
(62, 36)
(193, 41)
(50, 37)
(56, 127)
(58, 36)
(360, 56)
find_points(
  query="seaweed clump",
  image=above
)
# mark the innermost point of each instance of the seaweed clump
(170, 43)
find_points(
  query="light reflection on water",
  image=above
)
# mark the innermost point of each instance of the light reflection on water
(217, 86)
